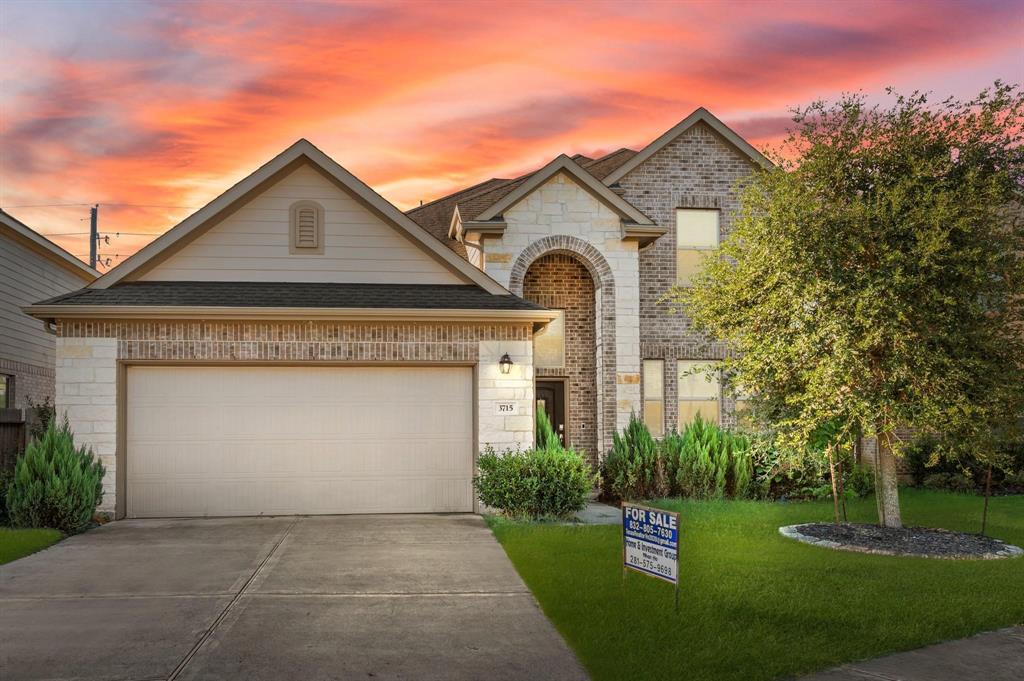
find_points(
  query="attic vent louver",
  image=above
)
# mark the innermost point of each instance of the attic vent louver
(305, 236)
(307, 228)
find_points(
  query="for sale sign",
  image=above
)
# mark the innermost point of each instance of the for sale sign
(650, 542)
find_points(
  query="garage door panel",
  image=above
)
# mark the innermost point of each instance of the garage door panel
(282, 440)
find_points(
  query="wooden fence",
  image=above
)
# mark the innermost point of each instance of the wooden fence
(12, 437)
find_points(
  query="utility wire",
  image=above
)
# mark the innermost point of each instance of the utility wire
(128, 205)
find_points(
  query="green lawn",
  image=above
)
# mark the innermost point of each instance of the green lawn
(15, 544)
(756, 605)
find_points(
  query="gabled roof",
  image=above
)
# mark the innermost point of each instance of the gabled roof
(301, 152)
(436, 216)
(701, 115)
(40, 244)
(564, 164)
(274, 294)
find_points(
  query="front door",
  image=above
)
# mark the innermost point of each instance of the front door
(551, 398)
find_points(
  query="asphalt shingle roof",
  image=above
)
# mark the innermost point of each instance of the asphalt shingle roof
(436, 216)
(290, 294)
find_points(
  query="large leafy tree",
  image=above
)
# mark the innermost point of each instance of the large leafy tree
(873, 278)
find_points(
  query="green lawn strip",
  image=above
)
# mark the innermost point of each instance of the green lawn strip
(756, 605)
(15, 544)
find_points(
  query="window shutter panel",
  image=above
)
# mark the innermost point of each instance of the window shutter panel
(306, 228)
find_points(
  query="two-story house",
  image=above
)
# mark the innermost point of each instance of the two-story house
(300, 345)
(600, 242)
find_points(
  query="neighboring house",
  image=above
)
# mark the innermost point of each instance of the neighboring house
(300, 345)
(31, 267)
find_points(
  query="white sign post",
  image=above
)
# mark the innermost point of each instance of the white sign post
(650, 543)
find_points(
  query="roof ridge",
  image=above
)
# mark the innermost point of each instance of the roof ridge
(608, 156)
(446, 197)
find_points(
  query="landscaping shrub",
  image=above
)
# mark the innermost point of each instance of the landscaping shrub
(55, 485)
(859, 480)
(547, 438)
(634, 468)
(539, 483)
(964, 473)
(950, 482)
(705, 461)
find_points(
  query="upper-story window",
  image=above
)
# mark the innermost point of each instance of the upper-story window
(307, 228)
(696, 233)
(549, 343)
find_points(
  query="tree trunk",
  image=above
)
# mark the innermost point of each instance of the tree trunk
(887, 493)
(988, 493)
(842, 490)
(835, 490)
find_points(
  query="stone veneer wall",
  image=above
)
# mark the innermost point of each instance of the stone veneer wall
(88, 354)
(561, 281)
(561, 216)
(699, 169)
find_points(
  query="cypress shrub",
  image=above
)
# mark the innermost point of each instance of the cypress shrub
(55, 485)
(634, 468)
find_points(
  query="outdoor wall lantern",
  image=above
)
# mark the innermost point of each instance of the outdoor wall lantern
(505, 363)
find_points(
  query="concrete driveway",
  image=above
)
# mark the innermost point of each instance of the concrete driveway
(325, 597)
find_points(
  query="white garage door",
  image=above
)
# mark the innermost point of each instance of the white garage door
(289, 440)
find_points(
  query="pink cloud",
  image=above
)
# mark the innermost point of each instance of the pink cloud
(169, 105)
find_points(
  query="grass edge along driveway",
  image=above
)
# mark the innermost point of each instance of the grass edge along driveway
(16, 543)
(756, 605)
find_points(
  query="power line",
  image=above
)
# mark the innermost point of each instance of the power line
(102, 203)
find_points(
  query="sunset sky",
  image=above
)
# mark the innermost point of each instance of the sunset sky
(165, 105)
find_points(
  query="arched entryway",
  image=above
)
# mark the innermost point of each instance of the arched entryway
(566, 273)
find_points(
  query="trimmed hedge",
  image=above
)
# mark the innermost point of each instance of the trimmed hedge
(539, 483)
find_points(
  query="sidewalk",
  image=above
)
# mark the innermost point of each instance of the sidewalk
(992, 656)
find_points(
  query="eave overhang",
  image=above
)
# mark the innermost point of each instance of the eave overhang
(644, 235)
(50, 313)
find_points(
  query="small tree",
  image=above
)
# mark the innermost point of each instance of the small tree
(55, 484)
(873, 278)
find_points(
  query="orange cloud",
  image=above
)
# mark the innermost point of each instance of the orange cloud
(168, 105)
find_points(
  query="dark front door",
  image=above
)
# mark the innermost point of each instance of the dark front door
(551, 398)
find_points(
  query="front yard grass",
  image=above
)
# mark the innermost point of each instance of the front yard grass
(756, 605)
(15, 544)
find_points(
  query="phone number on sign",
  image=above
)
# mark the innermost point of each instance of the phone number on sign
(649, 529)
(649, 565)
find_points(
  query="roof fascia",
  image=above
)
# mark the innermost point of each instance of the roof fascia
(52, 312)
(565, 164)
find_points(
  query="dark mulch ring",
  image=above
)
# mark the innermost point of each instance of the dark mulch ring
(906, 541)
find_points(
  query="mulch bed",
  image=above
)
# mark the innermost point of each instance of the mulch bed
(907, 541)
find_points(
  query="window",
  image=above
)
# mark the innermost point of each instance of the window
(696, 233)
(6, 391)
(307, 228)
(654, 396)
(698, 392)
(549, 343)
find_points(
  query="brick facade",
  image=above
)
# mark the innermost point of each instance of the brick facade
(30, 382)
(89, 353)
(561, 281)
(699, 169)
